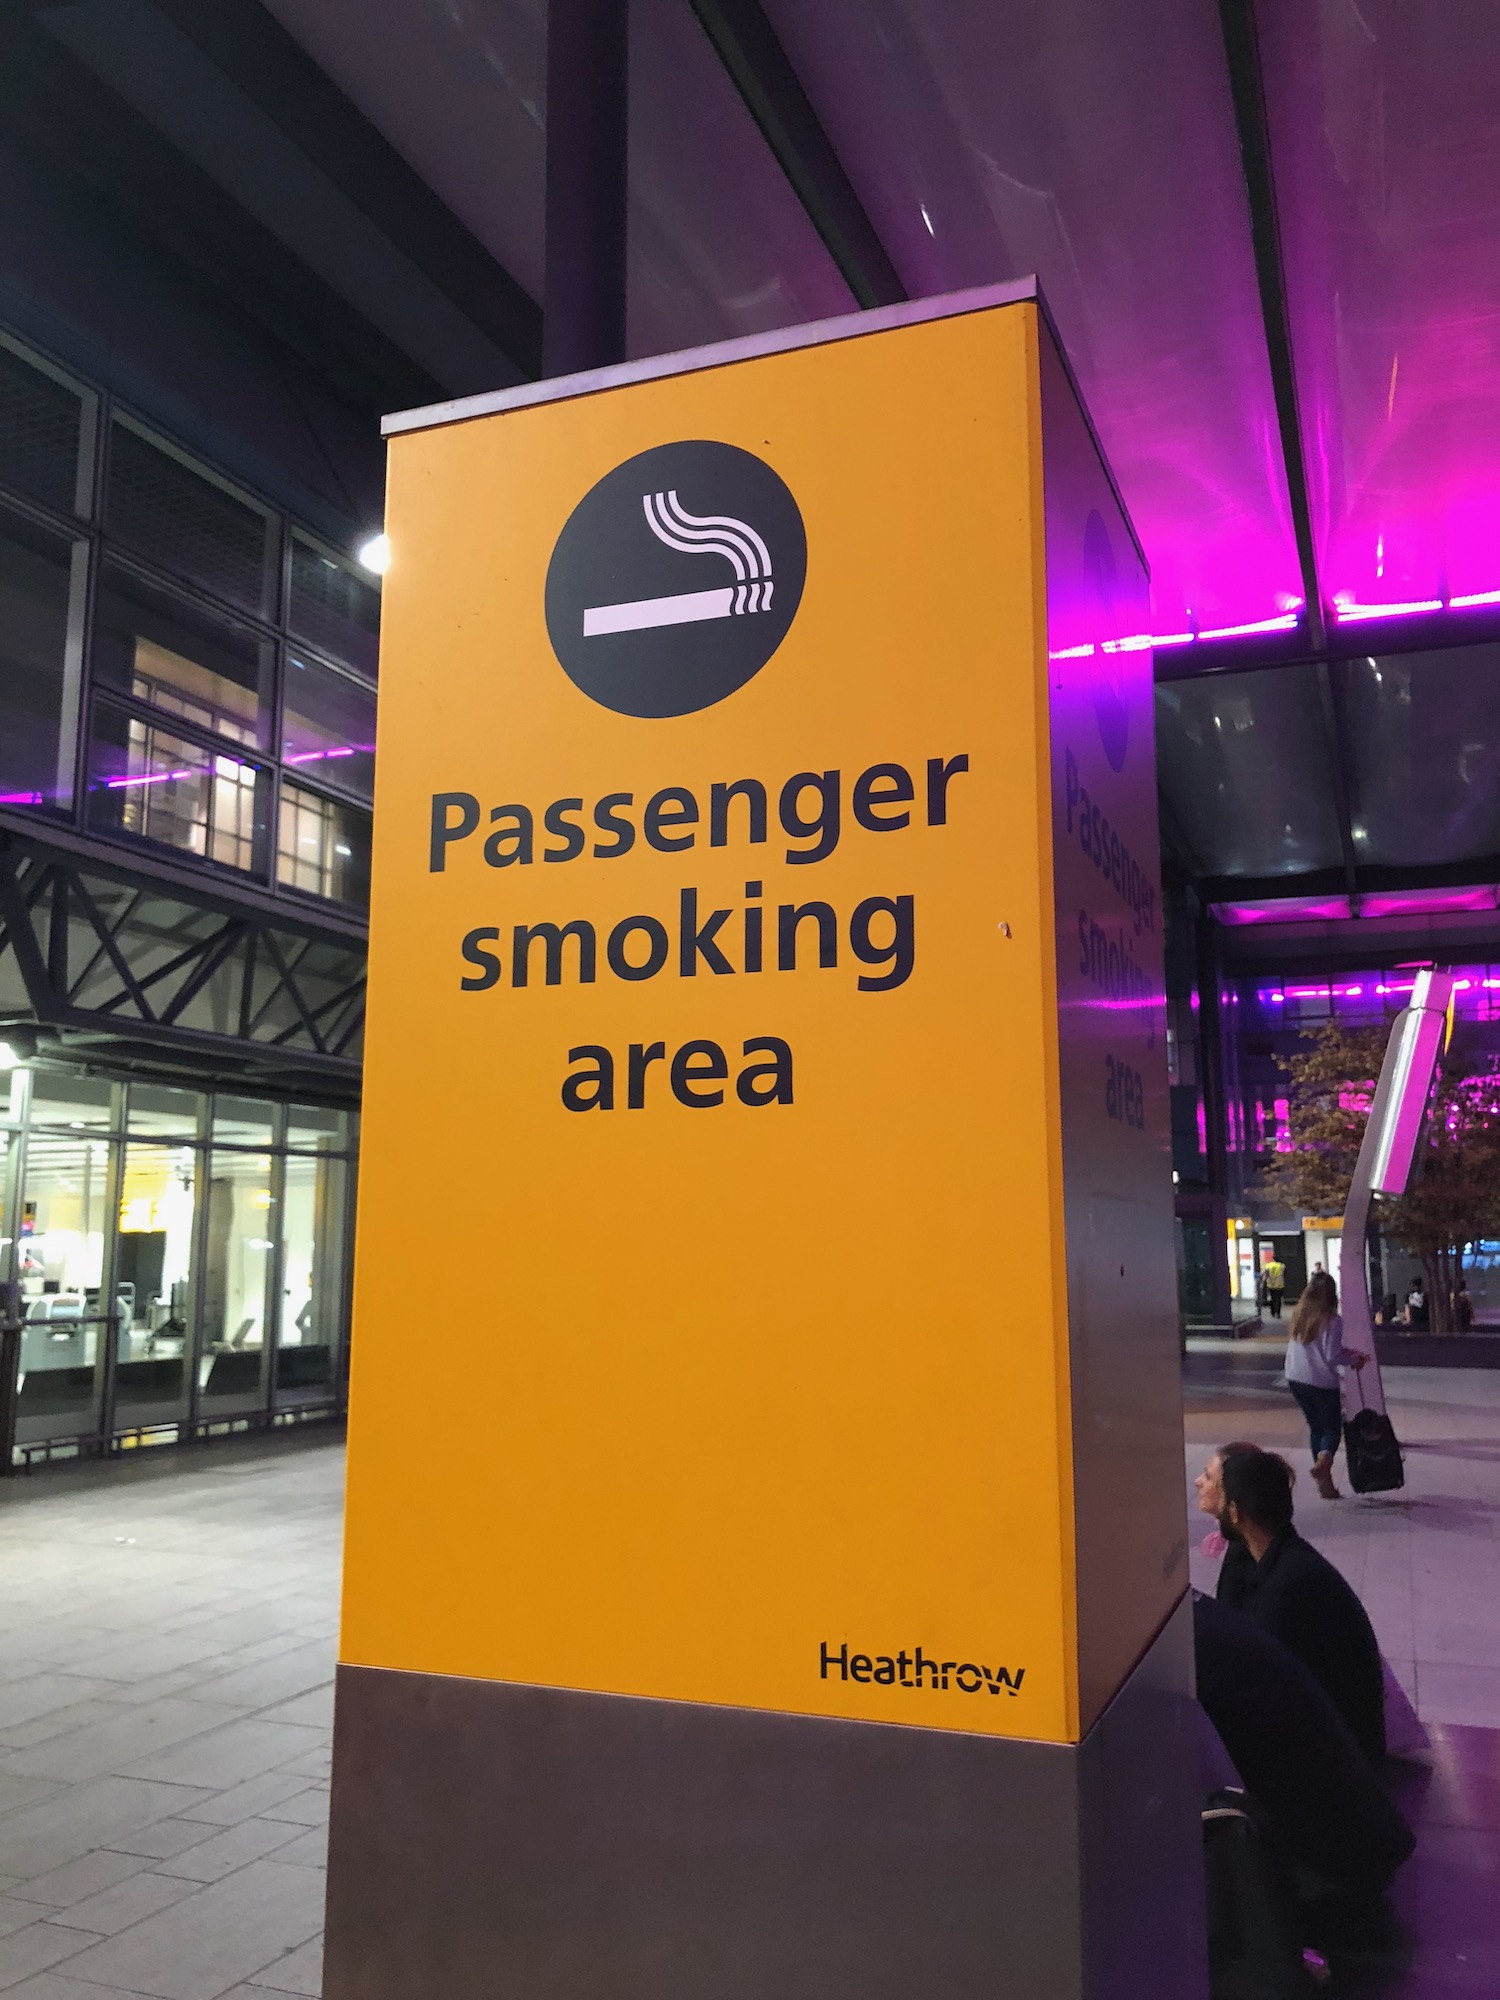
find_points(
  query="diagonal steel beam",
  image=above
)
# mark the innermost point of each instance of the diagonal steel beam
(219, 950)
(750, 50)
(77, 985)
(15, 911)
(1247, 88)
(131, 986)
(287, 975)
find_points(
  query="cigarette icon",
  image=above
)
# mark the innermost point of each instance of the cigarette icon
(693, 535)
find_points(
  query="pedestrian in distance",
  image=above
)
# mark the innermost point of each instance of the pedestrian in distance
(1315, 1355)
(1275, 1276)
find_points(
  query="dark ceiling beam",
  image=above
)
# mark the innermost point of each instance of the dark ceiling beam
(588, 133)
(1247, 88)
(124, 174)
(243, 40)
(1480, 872)
(750, 50)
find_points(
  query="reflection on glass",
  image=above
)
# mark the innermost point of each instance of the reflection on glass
(153, 1274)
(334, 604)
(243, 1121)
(143, 780)
(328, 726)
(236, 1275)
(61, 1097)
(323, 847)
(315, 1128)
(60, 1265)
(158, 1111)
(313, 1253)
(40, 661)
(207, 669)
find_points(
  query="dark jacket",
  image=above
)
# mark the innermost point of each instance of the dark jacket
(1297, 1595)
(1326, 1807)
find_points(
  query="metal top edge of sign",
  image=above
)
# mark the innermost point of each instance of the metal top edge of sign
(720, 354)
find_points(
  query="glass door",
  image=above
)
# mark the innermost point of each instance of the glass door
(238, 1256)
(314, 1249)
(60, 1265)
(153, 1281)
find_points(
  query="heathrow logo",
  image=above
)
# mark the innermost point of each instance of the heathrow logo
(675, 579)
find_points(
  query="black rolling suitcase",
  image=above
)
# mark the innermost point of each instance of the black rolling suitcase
(1371, 1450)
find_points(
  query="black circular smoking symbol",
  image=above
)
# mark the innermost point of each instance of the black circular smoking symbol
(675, 579)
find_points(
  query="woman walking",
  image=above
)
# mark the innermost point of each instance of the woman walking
(1314, 1355)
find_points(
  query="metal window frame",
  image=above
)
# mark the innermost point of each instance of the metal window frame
(274, 629)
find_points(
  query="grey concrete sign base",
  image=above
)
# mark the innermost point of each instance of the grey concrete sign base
(492, 1840)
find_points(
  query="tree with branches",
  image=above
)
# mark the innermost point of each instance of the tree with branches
(1453, 1198)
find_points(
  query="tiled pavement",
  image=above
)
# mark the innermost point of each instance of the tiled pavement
(167, 1635)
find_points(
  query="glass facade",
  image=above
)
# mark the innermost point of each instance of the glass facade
(181, 665)
(183, 1258)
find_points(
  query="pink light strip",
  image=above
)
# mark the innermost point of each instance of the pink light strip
(155, 778)
(354, 749)
(1141, 642)
(1286, 622)
(1362, 614)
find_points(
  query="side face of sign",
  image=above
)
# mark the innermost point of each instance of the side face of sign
(713, 1036)
(1123, 1343)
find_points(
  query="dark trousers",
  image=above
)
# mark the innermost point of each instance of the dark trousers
(1273, 1299)
(1323, 1409)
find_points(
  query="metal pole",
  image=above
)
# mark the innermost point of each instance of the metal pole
(1215, 1116)
(583, 312)
(1386, 1155)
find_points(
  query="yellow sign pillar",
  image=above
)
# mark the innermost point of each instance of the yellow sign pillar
(764, 1309)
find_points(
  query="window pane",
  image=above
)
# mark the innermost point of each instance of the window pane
(243, 1121)
(41, 574)
(175, 513)
(314, 1249)
(159, 1111)
(153, 1282)
(235, 1279)
(328, 726)
(146, 781)
(60, 1268)
(323, 847)
(209, 670)
(334, 604)
(314, 1129)
(82, 1103)
(46, 433)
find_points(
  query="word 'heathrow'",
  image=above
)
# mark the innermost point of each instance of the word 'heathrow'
(889, 1670)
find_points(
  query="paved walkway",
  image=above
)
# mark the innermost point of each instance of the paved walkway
(167, 1632)
(167, 1635)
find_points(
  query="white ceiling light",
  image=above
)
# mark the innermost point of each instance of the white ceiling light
(375, 554)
